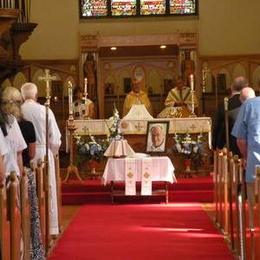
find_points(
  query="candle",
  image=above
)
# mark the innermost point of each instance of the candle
(70, 98)
(85, 86)
(191, 82)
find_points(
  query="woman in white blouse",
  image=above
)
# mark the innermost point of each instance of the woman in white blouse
(14, 139)
(3, 152)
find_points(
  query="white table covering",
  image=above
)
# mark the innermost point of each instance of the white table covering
(162, 169)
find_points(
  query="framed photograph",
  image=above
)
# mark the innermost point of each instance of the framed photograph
(156, 136)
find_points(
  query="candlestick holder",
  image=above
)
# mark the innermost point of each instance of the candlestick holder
(72, 169)
(192, 104)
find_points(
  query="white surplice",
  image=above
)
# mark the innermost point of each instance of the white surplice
(36, 113)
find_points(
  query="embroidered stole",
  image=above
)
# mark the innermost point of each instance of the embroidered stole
(130, 176)
(146, 185)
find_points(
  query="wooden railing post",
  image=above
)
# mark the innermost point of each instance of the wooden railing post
(231, 199)
(4, 225)
(225, 192)
(58, 186)
(25, 215)
(218, 188)
(241, 210)
(15, 217)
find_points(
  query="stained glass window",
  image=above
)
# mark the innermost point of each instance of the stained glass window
(135, 8)
(182, 6)
(149, 7)
(123, 7)
(93, 8)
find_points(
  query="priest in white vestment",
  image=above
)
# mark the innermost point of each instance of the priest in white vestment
(36, 113)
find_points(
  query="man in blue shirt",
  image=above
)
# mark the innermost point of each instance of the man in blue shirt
(247, 132)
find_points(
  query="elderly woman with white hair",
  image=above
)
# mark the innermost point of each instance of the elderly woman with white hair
(11, 105)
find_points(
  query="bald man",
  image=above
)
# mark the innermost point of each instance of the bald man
(246, 93)
(219, 139)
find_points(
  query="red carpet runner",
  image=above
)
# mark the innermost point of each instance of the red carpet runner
(140, 232)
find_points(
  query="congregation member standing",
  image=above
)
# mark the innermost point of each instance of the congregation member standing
(247, 132)
(14, 98)
(3, 152)
(36, 113)
(234, 102)
(13, 160)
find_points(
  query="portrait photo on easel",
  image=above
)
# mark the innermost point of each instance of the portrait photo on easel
(156, 136)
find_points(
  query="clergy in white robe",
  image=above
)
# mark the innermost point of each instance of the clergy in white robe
(36, 113)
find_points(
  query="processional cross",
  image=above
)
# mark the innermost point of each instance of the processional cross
(47, 78)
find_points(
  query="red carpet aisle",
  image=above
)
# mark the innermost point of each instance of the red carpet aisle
(140, 232)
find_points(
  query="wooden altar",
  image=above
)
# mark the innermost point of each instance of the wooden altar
(135, 133)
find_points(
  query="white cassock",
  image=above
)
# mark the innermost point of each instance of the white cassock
(15, 143)
(36, 113)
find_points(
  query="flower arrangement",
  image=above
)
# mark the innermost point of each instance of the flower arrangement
(88, 148)
(191, 147)
(114, 130)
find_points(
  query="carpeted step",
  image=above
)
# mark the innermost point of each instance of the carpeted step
(93, 191)
(80, 198)
(191, 196)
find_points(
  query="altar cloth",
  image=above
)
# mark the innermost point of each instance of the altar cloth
(162, 169)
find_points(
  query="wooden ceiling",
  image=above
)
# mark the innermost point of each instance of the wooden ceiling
(138, 51)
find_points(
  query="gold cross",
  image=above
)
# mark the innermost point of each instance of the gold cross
(192, 127)
(47, 78)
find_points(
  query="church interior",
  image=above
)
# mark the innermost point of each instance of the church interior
(129, 59)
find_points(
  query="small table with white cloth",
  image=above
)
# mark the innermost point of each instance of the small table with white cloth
(162, 170)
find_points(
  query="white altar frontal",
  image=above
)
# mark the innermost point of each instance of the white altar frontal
(145, 170)
(191, 125)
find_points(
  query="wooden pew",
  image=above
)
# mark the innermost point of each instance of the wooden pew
(58, 185)
(257, 244)
(15, 216)
(215, 181)
(25, 215)
(229, 190)
(225, 196)
(234, 228)
(241, 210)
(217, 187)
(4, 225)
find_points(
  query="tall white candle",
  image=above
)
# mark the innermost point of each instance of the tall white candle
(85, 86)
(70, 98)
(191, 82)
